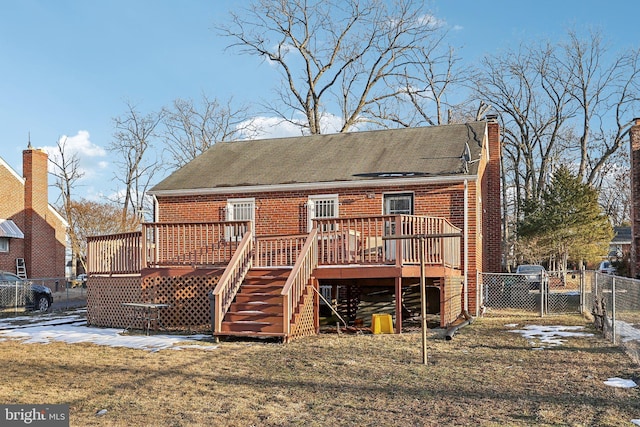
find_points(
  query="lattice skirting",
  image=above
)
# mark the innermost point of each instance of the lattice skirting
(451, 300)
(187, 293)
(305, 321)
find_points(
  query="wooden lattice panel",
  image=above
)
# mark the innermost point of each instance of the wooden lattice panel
(451, 300)
(187, 295)
(105, 296)
(305, 321)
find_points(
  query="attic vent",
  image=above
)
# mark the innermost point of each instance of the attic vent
(390, 174)
(395, 174)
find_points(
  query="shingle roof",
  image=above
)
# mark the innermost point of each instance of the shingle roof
(622, 235)
(412, 152)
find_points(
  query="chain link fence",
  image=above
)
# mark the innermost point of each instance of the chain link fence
(528, 294)
(616, 310)
(20, 295)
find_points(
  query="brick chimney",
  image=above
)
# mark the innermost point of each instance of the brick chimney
(634, 137)
(36, 206)
(492, 212)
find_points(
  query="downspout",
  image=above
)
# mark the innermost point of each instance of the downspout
(452, 330)
(465, 285)
(155, 208)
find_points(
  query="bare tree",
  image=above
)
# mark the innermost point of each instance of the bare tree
(93, 218)
(568, 103)
(526, 90)
(190, 128)
(132, 144)
(606, 92)
(66, 170)
(340, 57)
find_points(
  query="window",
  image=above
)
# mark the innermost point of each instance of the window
(398, 204)
(4, 244)
(239, 210)
(323, 207)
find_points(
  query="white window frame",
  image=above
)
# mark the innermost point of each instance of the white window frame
(401, 193)
(4, 244)
(312, 208)
(231, 215)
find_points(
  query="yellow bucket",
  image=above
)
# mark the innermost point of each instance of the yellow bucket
(381, 324)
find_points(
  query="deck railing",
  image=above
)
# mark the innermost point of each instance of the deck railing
(231, 279)
(341, 241)
(115, 253)
(299, 279)
(192, 244)
(360, 240)
(278, 251)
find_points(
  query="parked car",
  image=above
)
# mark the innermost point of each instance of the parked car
(533, 274)
(29, 295)
(606, 268)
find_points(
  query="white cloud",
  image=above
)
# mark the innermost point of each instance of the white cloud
(92, 162)
(79, 145)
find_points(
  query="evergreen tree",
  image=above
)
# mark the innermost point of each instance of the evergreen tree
(566, 224)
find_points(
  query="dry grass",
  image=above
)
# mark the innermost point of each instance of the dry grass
(485, 376)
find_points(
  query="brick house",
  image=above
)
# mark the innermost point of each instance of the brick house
(634, 145)
(30, 228)
(336, 202)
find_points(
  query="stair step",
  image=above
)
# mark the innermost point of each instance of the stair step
(261, 297)
(264, 307)
(254, 316)
(251, 326)
(258, 288)
(249, 334)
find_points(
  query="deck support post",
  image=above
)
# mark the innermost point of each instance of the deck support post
(398, 283)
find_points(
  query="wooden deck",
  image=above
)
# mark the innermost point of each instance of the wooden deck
(341, 249)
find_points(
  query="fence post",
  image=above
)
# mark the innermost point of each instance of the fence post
(479, 293)
(543, 292)
(582, 288)
(613, 309)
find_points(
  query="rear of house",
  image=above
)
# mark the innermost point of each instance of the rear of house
(342, 198)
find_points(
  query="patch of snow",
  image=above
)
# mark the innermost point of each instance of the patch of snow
(549, 335)
(635, 422)
(627, 331)
(72, 329)
(621, 383)
(511, 325)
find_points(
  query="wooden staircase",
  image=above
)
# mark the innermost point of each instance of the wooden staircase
(257, 309)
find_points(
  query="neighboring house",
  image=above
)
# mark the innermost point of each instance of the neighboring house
(634, 142)
(30, 228)
(620, 245)
(332, 201)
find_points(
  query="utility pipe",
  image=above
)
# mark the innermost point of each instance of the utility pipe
(452, 330)
(465, 284)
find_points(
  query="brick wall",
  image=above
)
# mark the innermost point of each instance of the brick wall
(11, 207)
(491, 211)
(634, 136)
(286, 212)
(44, 242)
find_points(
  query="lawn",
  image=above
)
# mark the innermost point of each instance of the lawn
(486, 376)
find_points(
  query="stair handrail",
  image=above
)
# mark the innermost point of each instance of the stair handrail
(298, 279)
(232, 279)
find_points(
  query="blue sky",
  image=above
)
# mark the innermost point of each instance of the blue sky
(68, 66)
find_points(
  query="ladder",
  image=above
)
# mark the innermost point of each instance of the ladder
(21, 269)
